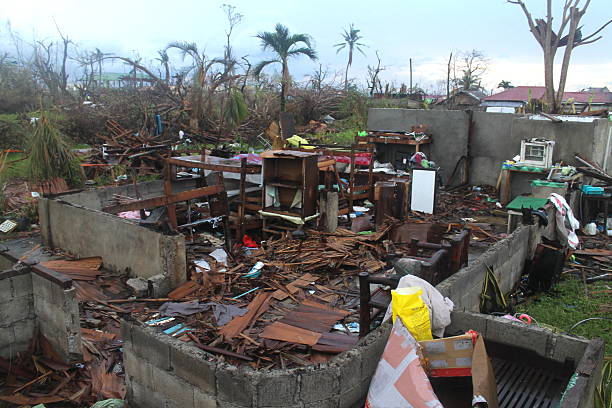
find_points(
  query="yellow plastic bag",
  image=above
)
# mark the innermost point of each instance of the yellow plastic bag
(408, 305)
(297, 141)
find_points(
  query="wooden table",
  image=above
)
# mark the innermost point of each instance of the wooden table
(505, 194)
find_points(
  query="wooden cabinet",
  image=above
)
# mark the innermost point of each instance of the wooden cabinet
(290, 180)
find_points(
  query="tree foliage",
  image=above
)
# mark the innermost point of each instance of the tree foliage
(285, 46)
(51, 155)
(350, 40)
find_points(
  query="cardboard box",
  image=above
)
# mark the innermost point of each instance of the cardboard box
(450, 356)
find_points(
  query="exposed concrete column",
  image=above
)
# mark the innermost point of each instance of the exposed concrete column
(329, 208)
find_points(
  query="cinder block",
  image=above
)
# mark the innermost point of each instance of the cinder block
(191, 364)
(203, 400)
(7, 338)
(518, 335)
(43, 290)
(354, 397)
(327, 403)
(226, 404)
(177, 392)
(371, 356)
(149, 344)
(349, 365)
(21, 285)
(235, 385)
(140, 396)
(277, 389)
(319, 384)
(126, 331)
(137, 369)
(24, 330)
(461, 322)
(568, 347)
(17, 309)
(5, 289)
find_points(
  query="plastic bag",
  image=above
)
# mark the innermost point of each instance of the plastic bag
(440, 307)
(400, 380)
(408, 305)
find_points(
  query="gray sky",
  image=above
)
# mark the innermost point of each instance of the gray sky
(423, 30)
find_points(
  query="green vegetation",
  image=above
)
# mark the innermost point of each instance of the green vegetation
(566, 305)
(603, 393)
(15, 166)
(51, 155)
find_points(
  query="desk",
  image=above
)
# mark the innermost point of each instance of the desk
(505, 194)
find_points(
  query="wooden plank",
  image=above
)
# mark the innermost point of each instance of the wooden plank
(185, 289)
(250, 168)
(165, 201)
(256, 308)
(284, 332)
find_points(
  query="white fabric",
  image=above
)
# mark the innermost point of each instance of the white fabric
(439, 306)
(566, 222)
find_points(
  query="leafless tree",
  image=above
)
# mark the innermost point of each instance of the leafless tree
(472, 65)
(551, 41)
(373, 80)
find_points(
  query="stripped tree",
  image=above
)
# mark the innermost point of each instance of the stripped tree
(551, 41)
(350, 39)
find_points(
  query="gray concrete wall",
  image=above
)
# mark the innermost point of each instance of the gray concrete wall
(603, 144)
(57, 314)
(495, 137)
(160, 368)
(30, 302)
(124, 246)
(586, 355)
(506, 257)
(97, 198)
(449, 129)
(17, 314)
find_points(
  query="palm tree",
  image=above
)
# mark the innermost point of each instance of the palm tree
(505, 84)
(284, 46)
(164, 60)
(350, 39)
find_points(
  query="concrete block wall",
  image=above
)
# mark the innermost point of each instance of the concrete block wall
(507, 257)
(164, 372)
(17, 313)
(449, 129)
(586, 355)
(495, 137)
(57, 316)
(125, 246)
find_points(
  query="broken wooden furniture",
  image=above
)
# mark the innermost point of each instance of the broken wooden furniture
(371, 304)
(213, 163)
(355, 188)
(392, 199)
(439, 259)
(505, 193)
(290, 182)
(397, 146)
(215, 195)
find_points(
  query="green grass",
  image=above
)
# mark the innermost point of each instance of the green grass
(566, 304)
(17, 170)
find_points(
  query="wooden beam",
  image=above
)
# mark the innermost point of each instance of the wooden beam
(164, 201)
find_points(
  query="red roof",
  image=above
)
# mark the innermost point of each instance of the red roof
(521, 94)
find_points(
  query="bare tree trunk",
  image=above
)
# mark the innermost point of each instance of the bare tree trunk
(574, 20)
(284, 85)
(346, 75)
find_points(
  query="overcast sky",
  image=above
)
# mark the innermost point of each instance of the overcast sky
(424, 30)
